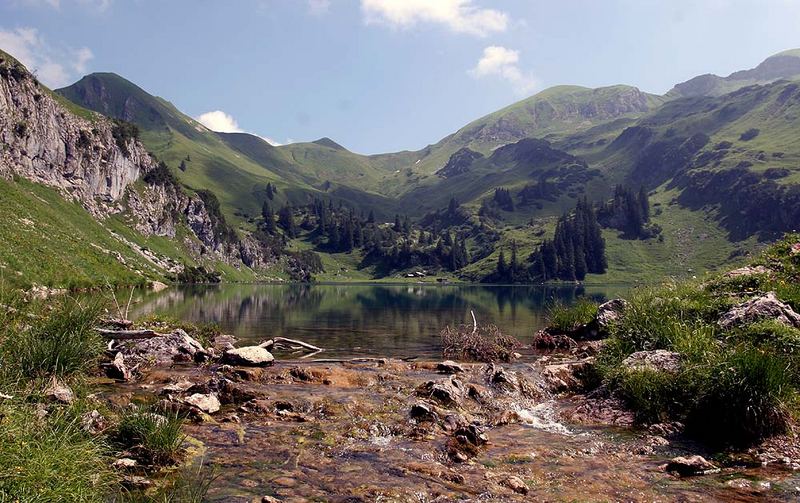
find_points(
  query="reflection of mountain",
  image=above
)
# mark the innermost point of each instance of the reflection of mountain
(375, 319)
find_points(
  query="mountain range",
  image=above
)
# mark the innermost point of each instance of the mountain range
(717, 155)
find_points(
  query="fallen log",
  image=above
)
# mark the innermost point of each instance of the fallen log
(124, 335)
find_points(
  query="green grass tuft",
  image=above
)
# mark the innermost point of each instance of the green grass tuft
(568, 318)
(155, 436)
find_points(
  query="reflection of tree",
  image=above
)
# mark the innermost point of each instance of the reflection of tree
(380, 319)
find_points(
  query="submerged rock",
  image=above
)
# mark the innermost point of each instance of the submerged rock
(765, 307)
(254, 356)
(515, 484)
(659, 360)
(690, 465)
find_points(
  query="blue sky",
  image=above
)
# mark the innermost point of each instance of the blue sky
(385, 75)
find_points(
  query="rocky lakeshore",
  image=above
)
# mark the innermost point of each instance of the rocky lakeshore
(685, 392)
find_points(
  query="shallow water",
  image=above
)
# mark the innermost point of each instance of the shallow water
(365, 320)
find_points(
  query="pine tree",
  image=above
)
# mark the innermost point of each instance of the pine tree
(502, 268)
(286, 221)
(269, 219)
(371, 217)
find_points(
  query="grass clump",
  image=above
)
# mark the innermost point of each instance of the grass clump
(744, 399)
(154, 436)
(484, 343)
(569, 318)
(56, 340)
(50, 459)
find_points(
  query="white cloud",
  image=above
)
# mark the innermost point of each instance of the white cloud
(319, 7)
(221, 122)
(501, 62)
(458, 15)
(96, 5)
(55, 66)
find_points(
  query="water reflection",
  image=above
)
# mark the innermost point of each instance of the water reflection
(386, 320)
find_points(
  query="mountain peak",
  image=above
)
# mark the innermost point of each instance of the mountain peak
(327, 142)
(783, 65)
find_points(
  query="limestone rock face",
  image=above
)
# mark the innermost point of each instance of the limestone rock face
(765, 307)
(47, 144)
(91, 160)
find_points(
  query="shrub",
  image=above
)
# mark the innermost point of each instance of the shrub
(749, 134)
(481, 344)
(60, 341)
(569, 318)
(743, 400)
(161, 175)
(50, 459)
(199, 274)
(123, 132)
(154, 436)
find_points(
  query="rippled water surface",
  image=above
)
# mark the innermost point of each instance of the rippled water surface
(386, 320)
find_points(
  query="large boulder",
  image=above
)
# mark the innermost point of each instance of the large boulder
(764, 307)
(252, 356)
(163, 350)
(610, 312)
(659, 360)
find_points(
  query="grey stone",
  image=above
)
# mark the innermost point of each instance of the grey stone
(764, 307)
(254, 356)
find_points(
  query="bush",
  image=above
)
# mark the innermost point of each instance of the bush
(199, 274)
(484, 344)
(154, 437)
(50, 459)
(749, 134)
(123, 132)
(59, 341)
(569, 318)
(161, 175)
(743, 399)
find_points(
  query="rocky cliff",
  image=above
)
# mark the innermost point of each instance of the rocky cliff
(98, 162)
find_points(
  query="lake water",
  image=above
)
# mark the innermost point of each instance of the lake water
(365, 320)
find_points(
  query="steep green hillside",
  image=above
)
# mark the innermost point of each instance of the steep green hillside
(48, 241)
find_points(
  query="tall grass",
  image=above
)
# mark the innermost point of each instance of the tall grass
(50, 459)
(743, 400)
(57, 340)
(568, 318)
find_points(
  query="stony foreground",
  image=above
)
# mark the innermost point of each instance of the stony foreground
(389, 430)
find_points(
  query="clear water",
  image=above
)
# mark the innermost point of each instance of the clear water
(364, 320)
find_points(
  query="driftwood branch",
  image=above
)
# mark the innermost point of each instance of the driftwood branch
(294, 342)
(474, 323)
(123, 335)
